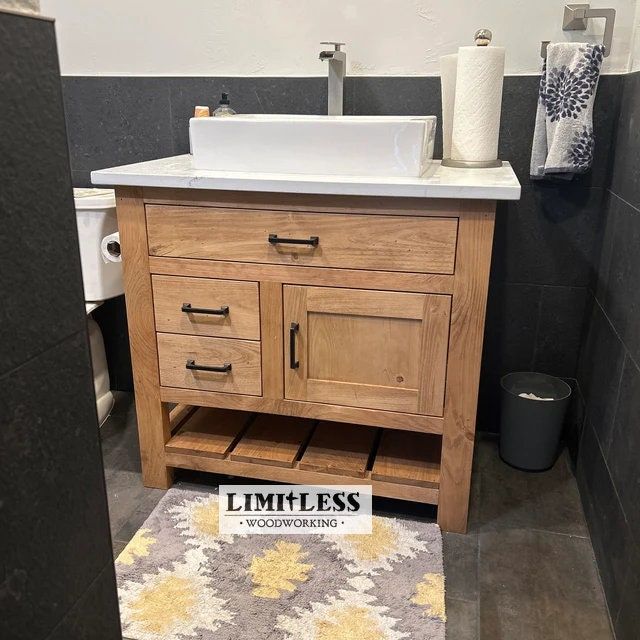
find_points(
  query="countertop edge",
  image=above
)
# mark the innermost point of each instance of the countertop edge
(110, 177)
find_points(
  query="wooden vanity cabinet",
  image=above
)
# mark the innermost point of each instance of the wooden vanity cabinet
(310, 339)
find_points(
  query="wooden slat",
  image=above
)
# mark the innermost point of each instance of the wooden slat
(387, 243)
(295, 475)
(209, 432)
(336, 413)
(154, 428)
(408, 458)
(179, 414)
(463, 367)
(339, 449)
(319, 276)
(273, 440)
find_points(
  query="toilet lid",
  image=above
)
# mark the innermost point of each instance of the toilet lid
(94, 198)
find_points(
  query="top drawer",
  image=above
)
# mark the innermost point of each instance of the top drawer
(348, 241)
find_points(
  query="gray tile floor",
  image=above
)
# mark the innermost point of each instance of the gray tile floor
(525, 570)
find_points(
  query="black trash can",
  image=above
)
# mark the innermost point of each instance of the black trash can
(530, 427)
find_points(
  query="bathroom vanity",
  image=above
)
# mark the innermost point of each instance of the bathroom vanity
(309, 329)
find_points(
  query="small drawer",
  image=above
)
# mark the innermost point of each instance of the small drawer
(205, 307)
(347, 241)
(210, 364)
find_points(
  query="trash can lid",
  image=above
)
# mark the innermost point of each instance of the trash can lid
(94, 198)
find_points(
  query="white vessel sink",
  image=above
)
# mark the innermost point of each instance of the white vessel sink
(322, 145)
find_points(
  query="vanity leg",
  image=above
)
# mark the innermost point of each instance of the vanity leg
(471, 282)
(153, 416)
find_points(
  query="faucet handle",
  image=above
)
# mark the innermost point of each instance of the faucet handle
(336, 45)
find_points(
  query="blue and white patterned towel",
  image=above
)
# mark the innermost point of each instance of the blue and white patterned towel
(563, 140)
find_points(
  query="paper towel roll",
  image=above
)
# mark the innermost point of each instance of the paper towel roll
(110, 248)
(478, 100)
(448, 72)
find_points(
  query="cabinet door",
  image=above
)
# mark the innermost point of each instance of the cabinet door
(372, 349)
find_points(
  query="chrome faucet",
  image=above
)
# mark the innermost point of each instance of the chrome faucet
(337, 60)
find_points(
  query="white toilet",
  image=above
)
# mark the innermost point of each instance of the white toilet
(101, 274)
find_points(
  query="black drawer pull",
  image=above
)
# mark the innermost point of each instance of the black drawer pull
(222, 311)
(293, 329)
(223, 368)
(312, 241)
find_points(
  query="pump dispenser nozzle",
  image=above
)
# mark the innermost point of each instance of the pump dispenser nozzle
(224, 110)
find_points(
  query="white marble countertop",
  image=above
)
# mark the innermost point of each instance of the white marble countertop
(436, 182)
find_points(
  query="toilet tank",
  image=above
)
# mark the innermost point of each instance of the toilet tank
(96, 218)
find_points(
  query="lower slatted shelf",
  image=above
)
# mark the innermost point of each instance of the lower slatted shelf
(409, 458)
(273, 440)
(398, 464)
(209, 432)
(339, 449)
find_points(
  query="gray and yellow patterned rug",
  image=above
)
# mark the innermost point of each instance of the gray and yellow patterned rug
(178, 578)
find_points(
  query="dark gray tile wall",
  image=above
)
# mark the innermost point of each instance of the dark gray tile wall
(56, 573)
(626, 173)
(609, 381)
(92, 617)
(35, 190)
(546, 245)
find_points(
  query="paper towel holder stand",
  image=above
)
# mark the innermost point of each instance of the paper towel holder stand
(482, 38)
(471, 164)
(575, 19)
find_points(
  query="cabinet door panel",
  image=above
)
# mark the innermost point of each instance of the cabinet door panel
(373, 349)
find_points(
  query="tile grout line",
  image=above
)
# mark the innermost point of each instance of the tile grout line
(609, 613)
(99, 574)
(56, 344)
(625, 349)
(613, 485)
(460, 598)
(594, 293)
(619, 197)
(616, 407)
(563, 534)
(603, 591)
(516, 283)
(576, 536)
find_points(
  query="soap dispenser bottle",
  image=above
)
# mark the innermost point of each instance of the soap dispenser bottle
(224, 110)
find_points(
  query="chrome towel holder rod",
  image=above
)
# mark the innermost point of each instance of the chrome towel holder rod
(575, 19)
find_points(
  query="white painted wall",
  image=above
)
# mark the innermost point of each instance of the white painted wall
(281, 37)
(634, 61)
(28, 6)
